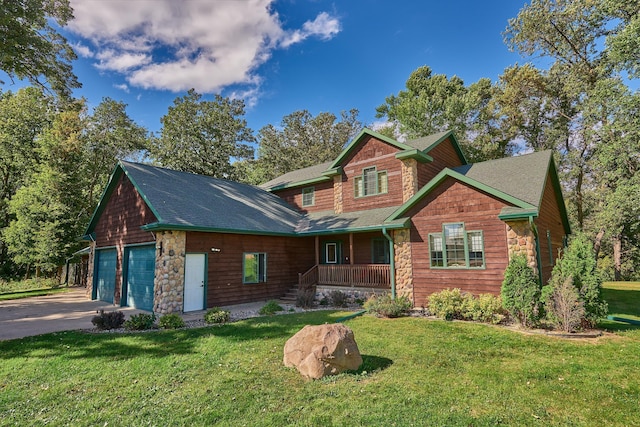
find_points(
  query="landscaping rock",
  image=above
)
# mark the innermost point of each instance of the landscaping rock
(319, 351)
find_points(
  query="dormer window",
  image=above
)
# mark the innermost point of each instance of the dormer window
(370, 183)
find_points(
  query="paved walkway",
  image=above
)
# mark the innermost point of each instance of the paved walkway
(52, 313)
(72, 310)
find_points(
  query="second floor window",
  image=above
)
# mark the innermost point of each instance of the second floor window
(308, 196)
(371, 182)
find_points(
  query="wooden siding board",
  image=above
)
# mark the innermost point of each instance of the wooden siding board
(372, 152)
(453, 202)
(120, 222)
(550, 219)
(323, 197)
(286, 257)
(444, 156)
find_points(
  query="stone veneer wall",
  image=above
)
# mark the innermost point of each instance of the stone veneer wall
(337, 194)
(409, 178)
(522, 240)
(169, 278)
(92, 257)
(404, 269)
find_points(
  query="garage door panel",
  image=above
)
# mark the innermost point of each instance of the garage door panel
(106, 274)
(140, 276)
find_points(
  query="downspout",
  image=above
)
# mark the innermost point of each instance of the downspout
(392, 263)
(534, 229)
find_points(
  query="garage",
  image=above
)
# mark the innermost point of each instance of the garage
(139, 275)
(105, 281)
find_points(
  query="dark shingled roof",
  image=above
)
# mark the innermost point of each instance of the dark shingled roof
(523, 177)
(329, 222)
(427, 141)
(188, 200)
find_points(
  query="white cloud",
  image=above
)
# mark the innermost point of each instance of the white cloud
(124, 87)
(83, 50)
(177, 45)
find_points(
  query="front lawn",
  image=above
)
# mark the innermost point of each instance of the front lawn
(416, 372)
(17, 289)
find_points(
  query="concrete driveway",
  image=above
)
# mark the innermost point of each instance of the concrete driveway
(53, 313)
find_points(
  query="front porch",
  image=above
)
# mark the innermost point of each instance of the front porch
(377, 276)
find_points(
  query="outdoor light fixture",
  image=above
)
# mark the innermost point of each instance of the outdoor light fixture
(215, 249)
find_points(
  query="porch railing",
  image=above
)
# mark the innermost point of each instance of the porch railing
(357, 275)
(310, 278)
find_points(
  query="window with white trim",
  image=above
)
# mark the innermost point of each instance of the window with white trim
(456, 248)
(254, 267)
(308, 196)
(370, 183)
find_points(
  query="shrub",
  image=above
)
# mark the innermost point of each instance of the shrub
(485, 308)
(578, 262)
(338, 298)
(108, 320)
(385, 306)
(521, 291)
(171, 321)
(140, 322)
(217, 315)
(446, 304)
(564, 309)
(271, 307)
(305, 297)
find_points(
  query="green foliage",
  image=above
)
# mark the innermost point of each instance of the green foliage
(271, 307)
(562, 304)
(171, 321)
(203, 137)
(385, 306)
(447, 304)
(216, 315)
(303, 140)
(140, 322)
(108, 320)
(27, 285)
(433, 103)
(452, 304)
(305, 297)
(521, 291)
(31, 47)
(338, 299)
(578, 263)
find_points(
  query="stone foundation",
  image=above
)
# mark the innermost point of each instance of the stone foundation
(169, 277)
(522, 240)
(356, 294)
(404, 269)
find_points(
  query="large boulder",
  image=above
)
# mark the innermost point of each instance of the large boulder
(318, 351)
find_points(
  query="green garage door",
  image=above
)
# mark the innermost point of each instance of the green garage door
(141, 263)
(105, 282)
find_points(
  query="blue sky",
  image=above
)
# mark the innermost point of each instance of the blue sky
(280, 56)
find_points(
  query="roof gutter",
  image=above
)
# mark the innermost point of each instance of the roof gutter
(392, 262)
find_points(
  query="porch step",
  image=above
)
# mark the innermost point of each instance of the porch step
(291, 294)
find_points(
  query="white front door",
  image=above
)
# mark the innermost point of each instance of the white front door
(194, 286)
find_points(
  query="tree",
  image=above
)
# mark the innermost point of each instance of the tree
(520, 291)
(108, 135)
(23, 116)
(31, 48)
(433, 103)
(45, 228)
(203, 137)
(591, 44)
(303, 140)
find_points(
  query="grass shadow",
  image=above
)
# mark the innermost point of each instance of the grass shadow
(374, 363)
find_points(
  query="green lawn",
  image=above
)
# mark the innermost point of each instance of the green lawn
(416, 372)
(17, 289)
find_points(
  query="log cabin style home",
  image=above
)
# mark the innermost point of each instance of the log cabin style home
(409, 218)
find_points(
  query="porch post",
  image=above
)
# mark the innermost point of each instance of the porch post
(351, 248)
(392, 263)
(317, 250)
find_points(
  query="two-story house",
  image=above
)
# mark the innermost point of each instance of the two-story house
(409, 218)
